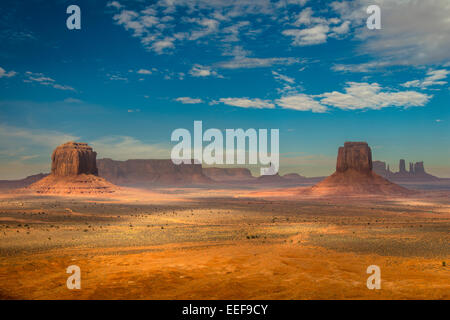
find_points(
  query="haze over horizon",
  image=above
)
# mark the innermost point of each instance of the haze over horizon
(137, 70)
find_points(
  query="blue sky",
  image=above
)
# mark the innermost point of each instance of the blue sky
(137, 70)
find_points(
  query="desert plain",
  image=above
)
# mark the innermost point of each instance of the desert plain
(224, 243)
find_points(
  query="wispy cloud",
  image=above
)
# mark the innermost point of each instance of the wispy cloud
(44, 80)
(248, 62)
(160, 30)
(144, 71)
(188, 100)
(433, 78)
(289, 87)
(356, 96)
(282, 77)
(371, 96)
(301, 102)
(241, 60)
(203, 71)
(116, 77)
(248, 103)
(4, 74)
(361, 67)
(313, 30)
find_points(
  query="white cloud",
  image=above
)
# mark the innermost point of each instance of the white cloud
(188, 100)
(357, 96)
(282, 77)
(144, 71)
(127, 18)
(116, 77)
(315, 30)
(158, 26)
(45, 81)
(161, 46)
(305, 17)
(309, 36)
(4, 74)
(209, 26)
(232, 31)
(344, 28)
(248, 63)
(248, 103)
(301, 102)
(434, 78)
(114, 4)
(361, 67)
(63, 87)
(370, 96)
(202, 71)
(289, 87)
(284, 3)
(242, 61)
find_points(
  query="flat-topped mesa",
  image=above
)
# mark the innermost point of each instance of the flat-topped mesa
(356, 156)
(72, 159)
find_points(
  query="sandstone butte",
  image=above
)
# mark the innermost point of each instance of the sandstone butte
(354, 175)
(74, 171)
(74, 158)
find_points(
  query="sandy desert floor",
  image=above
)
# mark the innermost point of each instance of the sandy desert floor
(224, 244)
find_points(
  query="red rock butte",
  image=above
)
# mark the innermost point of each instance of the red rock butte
(74, 171)
(354, 175)
(356, 156)
(74, 158)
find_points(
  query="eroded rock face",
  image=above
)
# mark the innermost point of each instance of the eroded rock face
(356, 156)
(402, 166)
(74, 158)
(419, 169)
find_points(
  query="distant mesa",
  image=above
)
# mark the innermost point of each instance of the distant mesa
(151, 172)
(21, 183)
(416, 172)
(294, 176)
(272, 179)
(228, 174)
(74, 171)
(354, 175)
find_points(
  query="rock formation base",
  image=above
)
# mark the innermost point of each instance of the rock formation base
(354, 183)
(83, 184)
